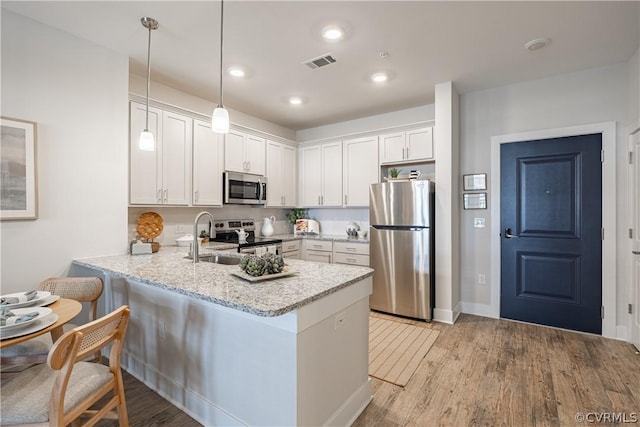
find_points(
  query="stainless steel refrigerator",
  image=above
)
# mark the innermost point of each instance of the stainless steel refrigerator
(402, 247)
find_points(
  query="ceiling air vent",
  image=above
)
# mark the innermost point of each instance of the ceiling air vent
(320, 61)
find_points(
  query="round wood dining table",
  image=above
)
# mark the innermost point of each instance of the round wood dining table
(65, 308)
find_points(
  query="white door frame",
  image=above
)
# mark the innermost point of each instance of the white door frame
(609, 283)
(634, 129)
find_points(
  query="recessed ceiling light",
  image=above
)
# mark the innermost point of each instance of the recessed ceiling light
(537, 43)
(332, 32)
(379, 77)
(295, 100)
(237, 72)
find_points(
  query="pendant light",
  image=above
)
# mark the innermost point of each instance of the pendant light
(220, 117)
(146, 141)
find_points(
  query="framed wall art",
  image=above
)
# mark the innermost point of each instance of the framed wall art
(474, 182)
(18, 170)
(475, 200)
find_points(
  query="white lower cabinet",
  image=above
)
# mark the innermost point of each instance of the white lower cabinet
(292, 249)
(318, 251)
(351, 253)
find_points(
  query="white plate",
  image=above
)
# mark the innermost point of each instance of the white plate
(42, 323)
(42, 311)
(39, 297)
(48, 300)
(250, 278)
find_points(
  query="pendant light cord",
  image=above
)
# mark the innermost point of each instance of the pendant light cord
(221, 44)
(146, 127)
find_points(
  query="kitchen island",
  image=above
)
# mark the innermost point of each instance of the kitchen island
(288, 351)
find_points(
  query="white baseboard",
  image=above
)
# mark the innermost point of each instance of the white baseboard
(352, 407)
(447, 316)
(193, 404)
(622, 333)
(484, 310)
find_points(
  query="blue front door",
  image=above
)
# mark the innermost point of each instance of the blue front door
(551, 221)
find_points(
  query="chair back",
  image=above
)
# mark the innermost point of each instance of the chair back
(77, 344)
(83, 289)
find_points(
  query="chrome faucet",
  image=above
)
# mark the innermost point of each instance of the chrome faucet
(195, 251)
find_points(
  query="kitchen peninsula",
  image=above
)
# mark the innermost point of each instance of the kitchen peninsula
(288, 351)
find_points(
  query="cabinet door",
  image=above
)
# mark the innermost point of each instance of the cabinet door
(254, 155)
(332, 174)
(177, 131)
(289, 177)
(145, 179)
(419, 144)
(360, 157)
(392, 147)
(208, 158)
(319, 256)
(234, 142)
(274, 174)
(311, 175)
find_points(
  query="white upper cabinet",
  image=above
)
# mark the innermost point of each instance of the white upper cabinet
(281, 175)
(162, 176)
(208, 165)
(360, 169)
(407, 146)
(244, 153)
(321, 175)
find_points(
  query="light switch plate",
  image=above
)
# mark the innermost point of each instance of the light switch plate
(478, 222)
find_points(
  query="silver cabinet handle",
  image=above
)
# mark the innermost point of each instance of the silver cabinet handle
(318, 200)
(159, 195)
(351, 249)
(407, 153)
(345, 199)
(322, 200)
(166, 195)
(248, 166)
(196, 195)
(351, 260)
(508, 235)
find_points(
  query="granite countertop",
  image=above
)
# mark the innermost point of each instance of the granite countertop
(168, 269)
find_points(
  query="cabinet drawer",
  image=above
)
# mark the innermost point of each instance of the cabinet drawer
(351, 248)
(319, 256)
(291, 255)
(292, 245)
(319, 245)
(353, 259)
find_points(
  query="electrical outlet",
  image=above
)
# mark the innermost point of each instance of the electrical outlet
(179, 228)
(478, 222)
(339, 320)
(482, 280)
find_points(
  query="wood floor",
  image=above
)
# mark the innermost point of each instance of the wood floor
(480, 372)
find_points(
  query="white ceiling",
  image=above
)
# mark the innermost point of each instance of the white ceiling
(476, 45)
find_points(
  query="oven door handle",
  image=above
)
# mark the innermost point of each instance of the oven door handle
(259, 189)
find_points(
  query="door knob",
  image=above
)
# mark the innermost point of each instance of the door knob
(508, 235)
(635, 252)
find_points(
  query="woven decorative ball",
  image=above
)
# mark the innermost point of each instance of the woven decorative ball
(149, 225)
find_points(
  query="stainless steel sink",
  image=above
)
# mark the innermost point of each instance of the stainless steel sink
(218, 259)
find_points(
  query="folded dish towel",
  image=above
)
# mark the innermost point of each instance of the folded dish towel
(27, 296)
(8, 318)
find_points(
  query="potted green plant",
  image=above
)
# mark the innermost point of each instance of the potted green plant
(393, 172)
(295, 214)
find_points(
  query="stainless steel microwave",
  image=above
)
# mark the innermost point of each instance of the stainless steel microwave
(244, 188)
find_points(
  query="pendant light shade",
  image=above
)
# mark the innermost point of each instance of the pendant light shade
(146, 142)
(220, 116)
(220, 120)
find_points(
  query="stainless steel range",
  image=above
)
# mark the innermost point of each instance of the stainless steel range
(225, 232)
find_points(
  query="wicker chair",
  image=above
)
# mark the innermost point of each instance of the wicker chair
(63, 390)
(82, 289)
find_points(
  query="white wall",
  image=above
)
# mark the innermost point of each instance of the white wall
(77, 93)
(586, 97)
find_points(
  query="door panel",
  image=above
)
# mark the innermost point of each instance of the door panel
(551, 218)
(635, 251)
